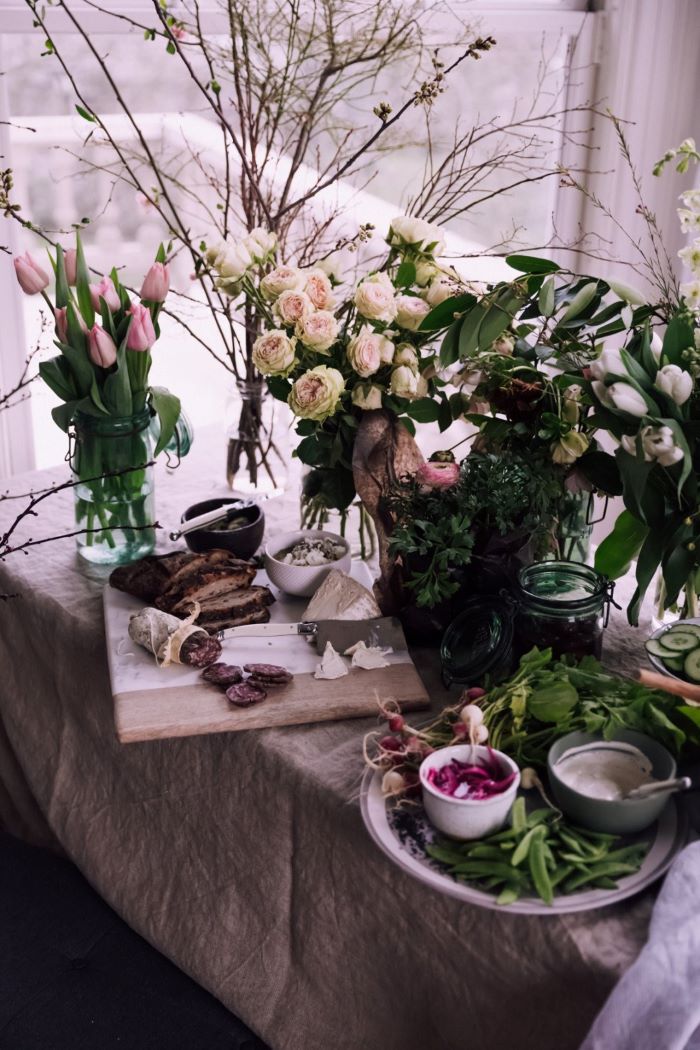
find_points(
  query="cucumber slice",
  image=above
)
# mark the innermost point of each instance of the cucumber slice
(675, 663)
(656, 648)
(691, 665)
(685, 628)
(680, 641)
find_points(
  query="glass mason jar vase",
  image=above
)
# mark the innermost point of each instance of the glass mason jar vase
(562, 605)
(111, 459)
(258, 439)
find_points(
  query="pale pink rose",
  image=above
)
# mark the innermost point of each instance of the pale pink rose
(142, 334)
(281, 279)
(316, 394)
(410, 311)
(107, 291)
(32, 278)
(365, 352)
(318, 331)
(101, 347)
(375, 298)
(319, 289)
(438, 475)
(156, 283)
(293, 306)
(273, 353)
(61, 322)
(70, 264)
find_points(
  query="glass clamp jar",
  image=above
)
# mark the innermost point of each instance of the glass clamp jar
(562, 605)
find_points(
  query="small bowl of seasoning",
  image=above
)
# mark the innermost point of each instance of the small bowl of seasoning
(241, 533)
(468, 789)
(591, 778)
(298, 562)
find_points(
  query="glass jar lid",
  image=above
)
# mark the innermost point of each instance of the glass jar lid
(479, 640)
(562, 587)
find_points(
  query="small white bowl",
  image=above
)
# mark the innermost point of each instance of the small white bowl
(302, 580)
(463, 818)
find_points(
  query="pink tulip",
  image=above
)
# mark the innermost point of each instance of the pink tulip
(141, 331)
(156, 283)
(32, 279)
(70, 264)
(61, 324)
(108, 292)
(101, 347)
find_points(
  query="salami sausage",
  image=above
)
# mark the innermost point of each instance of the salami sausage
(245, 694)
(223, 674)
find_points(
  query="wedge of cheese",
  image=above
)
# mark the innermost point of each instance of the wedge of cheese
(341, 598)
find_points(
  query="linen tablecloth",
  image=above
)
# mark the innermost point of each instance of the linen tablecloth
(243, 857)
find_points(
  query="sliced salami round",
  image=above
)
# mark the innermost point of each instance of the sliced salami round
(223, 674)
(269, 683)
(200, 650)
(266, 670)
(244, 694)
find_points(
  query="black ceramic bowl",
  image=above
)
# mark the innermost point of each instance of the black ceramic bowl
(242, 542)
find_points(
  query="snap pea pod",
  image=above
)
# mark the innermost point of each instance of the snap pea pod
(523, 848)
(538, 870)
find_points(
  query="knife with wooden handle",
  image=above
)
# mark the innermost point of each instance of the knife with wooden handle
(383, 631)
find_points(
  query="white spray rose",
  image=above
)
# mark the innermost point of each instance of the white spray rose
(292, 307)
(658, 443)
(319, 289)
(315, 395)
(440, 288)
(505, 344)
(626, 399)
(367, 396)
(375, 298)
(406, 355)
(364, 352)
(261, 243)
(410, 311)
(426, 271)
(675, 382)
(691, 255)
(232, 264)
(318, 331)
(332, 266)
(416, 233)
(404, 382)
(273, 353)
(609, 363)
(386, 348)
(281, 279)
(690, 291)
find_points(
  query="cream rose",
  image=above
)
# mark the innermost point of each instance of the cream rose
(406, 355)
(367, 396)
(410, 311)
(404, 382)
(261, 243)
(417, 233)
(273, 353)
(315, 395)
(375, 298)
(281, 279)
(318, 331)
(293, 306)
(364, 352)
(426, 271)
(319, 289)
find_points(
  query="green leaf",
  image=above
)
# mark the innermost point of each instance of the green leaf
(580, 301)
(601, 469)
(425, 410)
(545, 299)
(686, 464)
(618, 550)
(62, 287)
(408, 424)
(82, 285)
(677, 567)
(498, 317)
(635, 475)
(405, 275)
(469, 331)
(58, 376)
(449, 349)
(310, 451)
(445, 415)
(279, 387)
(552, 703)
(443, 313)
(531, 264)
(62, 415)
(678, 337)
(160, 254)
(648, 562)
(167, 407)
(85, 114)
(117, 388)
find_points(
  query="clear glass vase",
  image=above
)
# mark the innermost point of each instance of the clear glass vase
(258, 439)
(575, 527)
(111, 459)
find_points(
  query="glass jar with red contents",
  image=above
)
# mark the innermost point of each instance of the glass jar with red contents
(562, 605)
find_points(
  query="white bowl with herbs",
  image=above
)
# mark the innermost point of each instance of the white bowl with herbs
(298, 562)
(675, 650)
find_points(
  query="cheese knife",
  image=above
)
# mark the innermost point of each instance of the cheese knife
(382, 631)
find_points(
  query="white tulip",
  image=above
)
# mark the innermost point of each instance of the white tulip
(675, 382)
(657, 443)
(626, 399)
(609, 363)
(656, 346)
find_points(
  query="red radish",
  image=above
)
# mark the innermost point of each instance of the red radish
(396, 723)
(390, 743)
(475, 693)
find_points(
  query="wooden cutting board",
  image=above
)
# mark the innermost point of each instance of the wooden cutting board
(154, 703)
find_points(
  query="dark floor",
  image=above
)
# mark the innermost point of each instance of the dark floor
(73, 976)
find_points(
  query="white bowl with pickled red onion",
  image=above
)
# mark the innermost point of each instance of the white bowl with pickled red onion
(468, 789)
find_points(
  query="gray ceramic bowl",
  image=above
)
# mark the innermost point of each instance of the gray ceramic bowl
(243, 542)
(622, 817)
